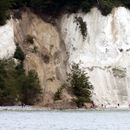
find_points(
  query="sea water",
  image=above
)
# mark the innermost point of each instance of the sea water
(64, 120)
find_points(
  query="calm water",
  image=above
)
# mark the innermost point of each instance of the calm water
(34, 120)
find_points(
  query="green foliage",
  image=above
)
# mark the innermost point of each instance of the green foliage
(17, 14)
(80, 101)
(15, 86)
(50, 7)
(118, 72)
(86, 5)
(19, 53)
(8, 84)
(56, 7)
(46, 58)
(106, 6)
(20, 3)
(35, 49)
(30, 88)
(29, 39)
(5, 5)
(57, 95)
(126, 3)
(80, 85)
(82, 26)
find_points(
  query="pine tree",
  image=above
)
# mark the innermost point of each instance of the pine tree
(30, 88)
(80, 85)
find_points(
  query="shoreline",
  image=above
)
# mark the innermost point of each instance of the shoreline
(37, 108)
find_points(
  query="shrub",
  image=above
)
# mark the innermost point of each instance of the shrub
(19, 54)
(16, 86)
(46, 58)
(5, 5)
(17, 14)
(35, 49)
(8, 83)
(80, 101)
(29, 39)
(2, 19)
(82, 26)
(118, 72)
(30, 88)
(80, 85)
(106, 6)
(57, 95)
(86, 5)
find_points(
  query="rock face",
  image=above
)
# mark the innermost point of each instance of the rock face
(104, 52)
(7, 45)
(101, 46)
(41, 44)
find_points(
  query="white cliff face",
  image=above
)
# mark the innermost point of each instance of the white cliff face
(7, 45)
(104, 53)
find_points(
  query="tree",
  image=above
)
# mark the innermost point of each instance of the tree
(86, 5)
(126, 3)
(16, 86)
(106, 6)
(30, 88)
(8, 83)
(5, 5)
(80, 85)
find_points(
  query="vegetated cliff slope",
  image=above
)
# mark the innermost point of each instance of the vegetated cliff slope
(44, 51)
(100, 44)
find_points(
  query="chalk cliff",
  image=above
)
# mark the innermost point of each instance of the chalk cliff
(100, 44)
(104, 52)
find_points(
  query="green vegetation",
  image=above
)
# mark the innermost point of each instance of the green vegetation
(119, 72)
(106, 6)
(17, 14)
(35, 49)
(8, 84)
(46, 58)
(82, 26)
(58, 94)
(15, 86)
(55, 7)
(5, 5)
(29, 39)
(19, 53)
(80, 85)
(29, 88)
